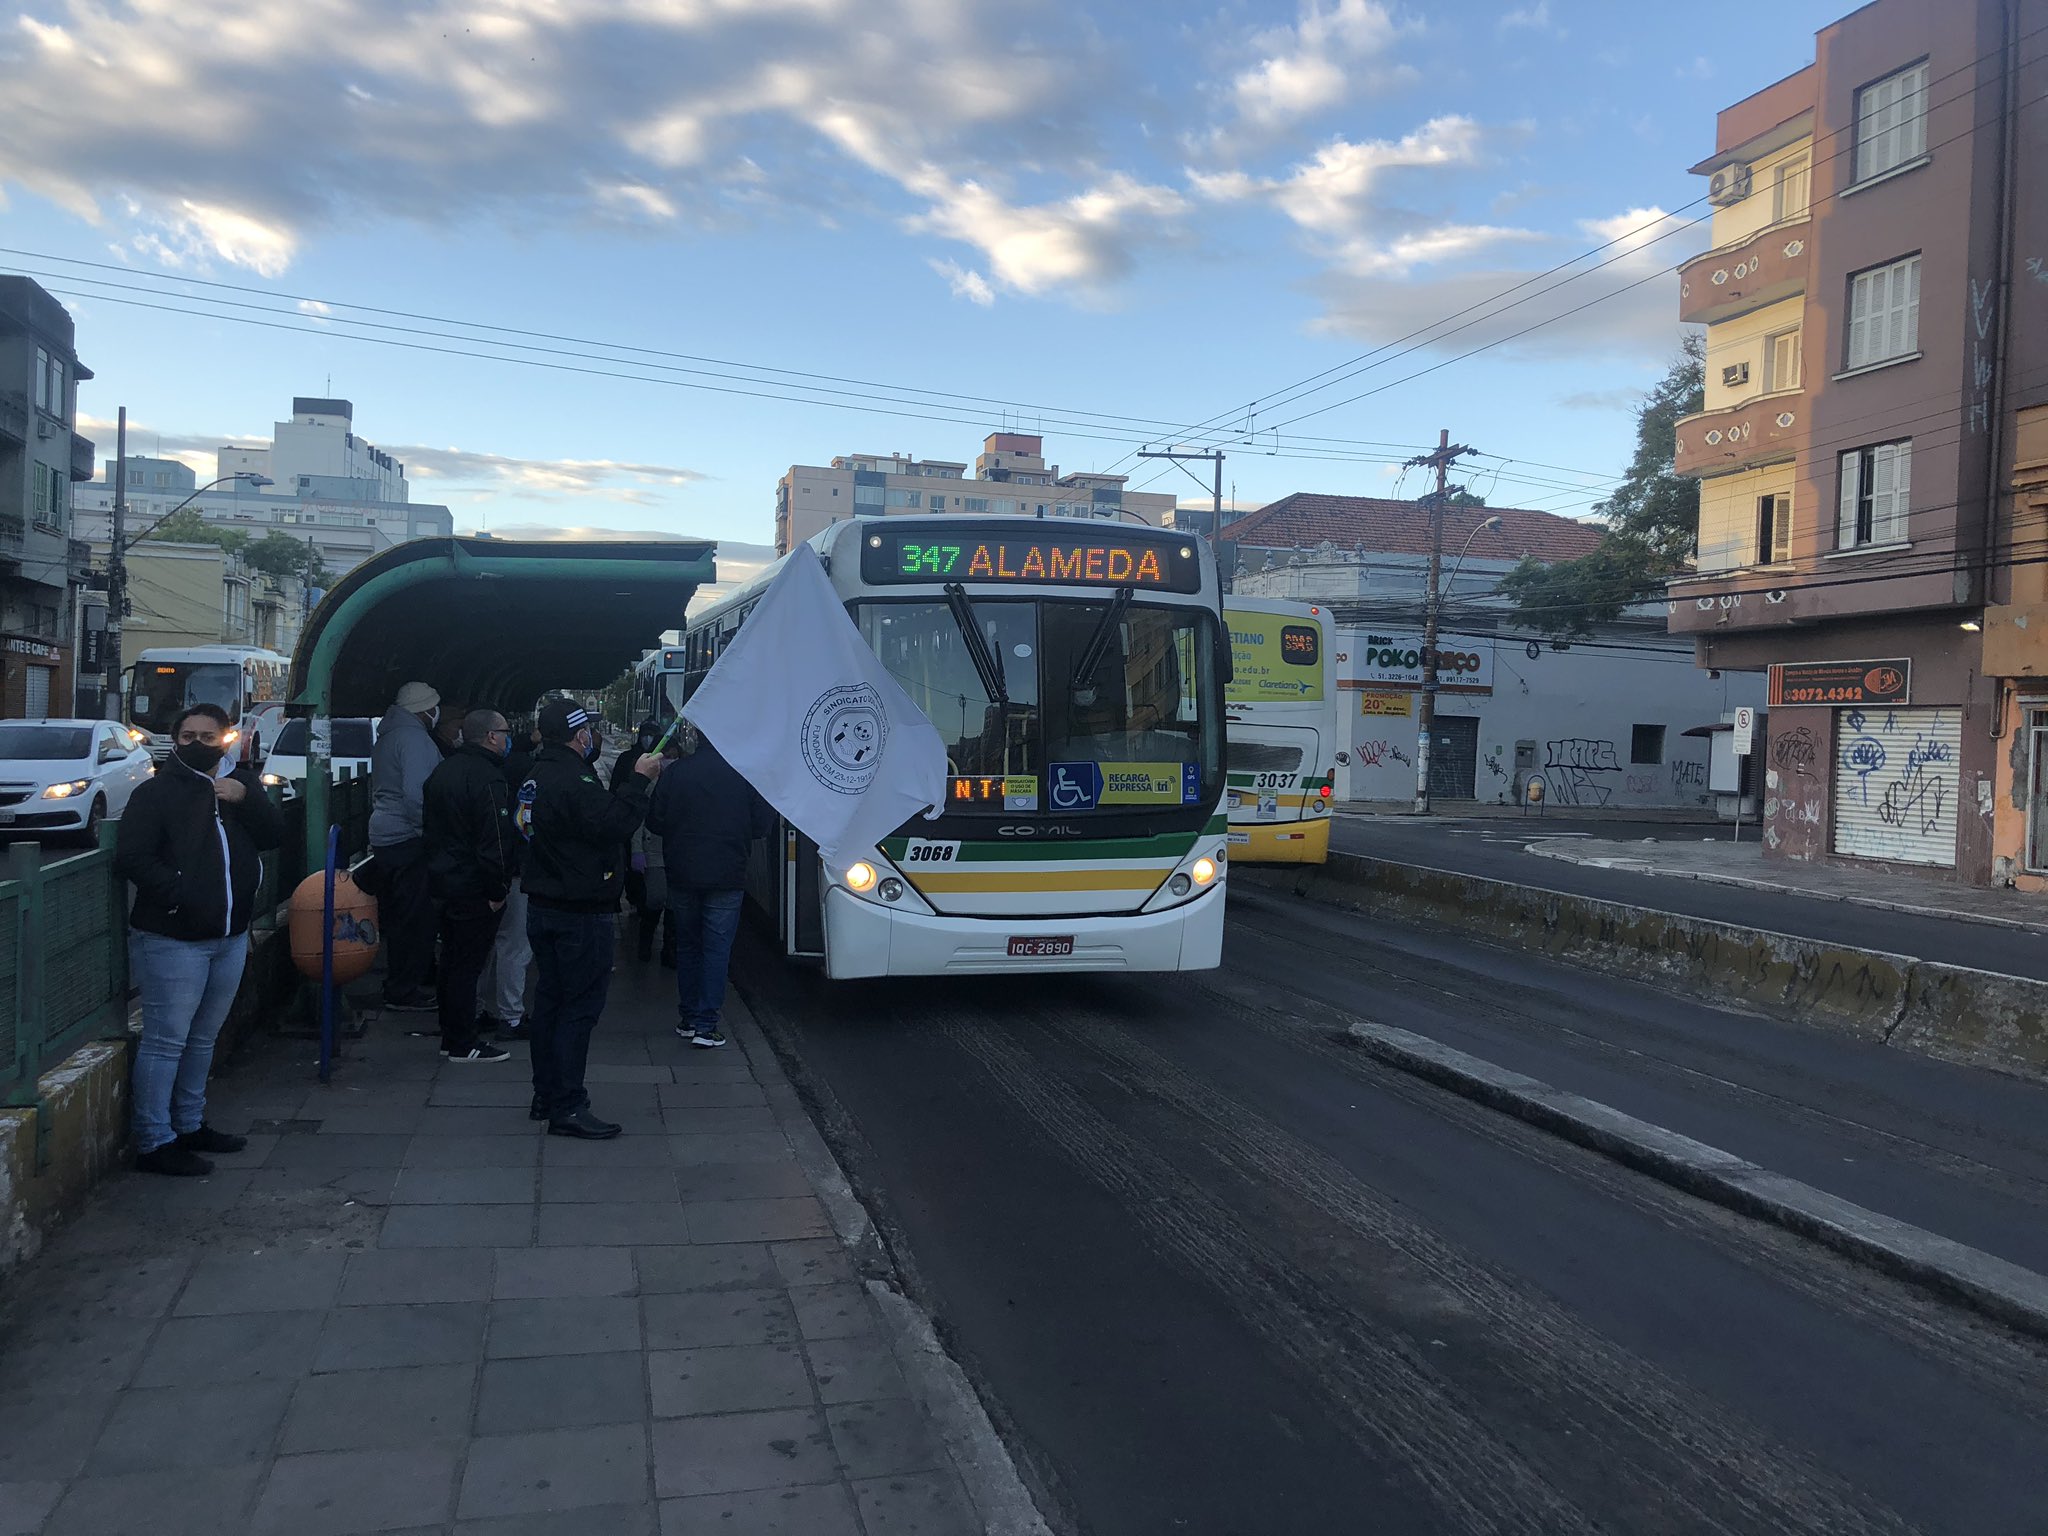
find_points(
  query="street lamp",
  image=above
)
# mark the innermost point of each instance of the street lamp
(1432, 606)
(254, 480)
(119, 543)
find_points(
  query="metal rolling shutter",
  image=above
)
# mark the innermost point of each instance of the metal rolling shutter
(36, 693)
(1896, 782)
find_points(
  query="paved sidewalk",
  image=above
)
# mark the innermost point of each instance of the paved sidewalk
(404, 1309)
(1743, 864)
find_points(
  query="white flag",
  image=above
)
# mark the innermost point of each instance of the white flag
(806, 712)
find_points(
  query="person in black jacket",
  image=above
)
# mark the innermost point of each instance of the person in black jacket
(470, 862)
(190, 844)
(573, 870)
(645, 916)
(708, 818)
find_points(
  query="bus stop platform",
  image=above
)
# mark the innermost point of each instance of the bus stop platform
(406, 1309)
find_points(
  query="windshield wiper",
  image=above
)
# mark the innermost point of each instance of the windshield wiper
(988, 662)
(1091, 658)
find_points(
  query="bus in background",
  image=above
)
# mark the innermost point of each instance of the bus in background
(657, 689)
(1074, 673)
(1284, 734)
(167, 680)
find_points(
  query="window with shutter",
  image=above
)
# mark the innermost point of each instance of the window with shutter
(1774, 528)
(1876, 487)
(1891, 122)
(1884, 313)
(1781, 361)
(1791, 196)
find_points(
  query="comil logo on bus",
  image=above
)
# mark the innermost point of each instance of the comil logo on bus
(1384, 653)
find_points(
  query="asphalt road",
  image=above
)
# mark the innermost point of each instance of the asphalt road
(1221, 1275)
(1495, 849)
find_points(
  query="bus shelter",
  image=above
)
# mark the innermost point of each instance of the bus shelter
(487, 622)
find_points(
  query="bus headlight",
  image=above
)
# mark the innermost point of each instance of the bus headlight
(890, 889)
(1203, 870)
(860, 876)
(1180, 885)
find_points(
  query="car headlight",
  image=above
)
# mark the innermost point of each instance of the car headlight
(860, 876)
(276, 780)
(66, 791)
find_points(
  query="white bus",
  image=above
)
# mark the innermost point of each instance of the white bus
(1075, 674)
(167, 680)
(1285, 739)
(657, 691)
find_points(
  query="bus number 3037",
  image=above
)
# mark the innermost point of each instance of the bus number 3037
(1273, 781)
(920, 851)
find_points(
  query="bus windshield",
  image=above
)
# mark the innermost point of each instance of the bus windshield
(1106, 708)
(159, 691)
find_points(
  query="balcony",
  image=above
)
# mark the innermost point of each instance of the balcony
(14, 419)
(1770, 265)
(1760, 430)
(13, 531)
(81, 458)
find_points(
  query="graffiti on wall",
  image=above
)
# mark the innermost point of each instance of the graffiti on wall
(1794, 752)
(1688, 777)
(1573, 769)
(1905, 771)
(1374, 754)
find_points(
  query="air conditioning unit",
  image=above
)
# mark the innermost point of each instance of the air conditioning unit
(1734, 374)
(1728, 185)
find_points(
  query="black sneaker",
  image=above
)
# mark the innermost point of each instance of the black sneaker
(538, 1109)
(489, 1024)
(207, 1139)
(584, 1126)
(483, 1050)
(518, 1029)
(411, 1002)
(708, 1037)
(170, 1158)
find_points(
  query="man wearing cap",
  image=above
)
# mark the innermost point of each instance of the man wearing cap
(405, 754)
(573, 872)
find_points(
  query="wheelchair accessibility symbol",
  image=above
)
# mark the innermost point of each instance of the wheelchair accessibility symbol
(1075, 786)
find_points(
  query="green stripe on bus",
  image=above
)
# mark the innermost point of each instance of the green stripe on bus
(1166, 845)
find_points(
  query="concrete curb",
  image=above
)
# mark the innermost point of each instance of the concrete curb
(1981, 1018)
(983, 1462)
(1566, 853)
(2013, 1295)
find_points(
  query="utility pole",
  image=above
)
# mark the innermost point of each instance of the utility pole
(1446, 455)
(117, 570)
(1183, 457)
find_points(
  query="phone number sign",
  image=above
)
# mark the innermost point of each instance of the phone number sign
(1831, 683)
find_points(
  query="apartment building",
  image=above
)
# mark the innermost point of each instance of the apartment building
(325, 485)
(1011, 478)
(41, 457)
(1875, 342)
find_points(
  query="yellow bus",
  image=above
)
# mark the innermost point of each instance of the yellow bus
(1281, 710)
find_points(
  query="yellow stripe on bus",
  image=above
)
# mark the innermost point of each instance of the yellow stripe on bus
(964, 882)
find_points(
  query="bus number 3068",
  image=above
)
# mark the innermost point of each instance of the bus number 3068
(920, 851)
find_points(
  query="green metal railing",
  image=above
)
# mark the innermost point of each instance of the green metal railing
(63, 961)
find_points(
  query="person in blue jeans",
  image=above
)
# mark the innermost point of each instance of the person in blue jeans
(190, 843)
(708, 817)
(575, 871)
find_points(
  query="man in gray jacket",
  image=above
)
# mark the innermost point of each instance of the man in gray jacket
(405, 754)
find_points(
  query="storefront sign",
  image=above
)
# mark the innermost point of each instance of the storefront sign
(1373, 701)
(1380, 659)
(32, 648)
(1835, 683)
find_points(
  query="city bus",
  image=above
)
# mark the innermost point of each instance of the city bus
(167, 680)
(1285, 739)
(1075, 674)
(657, 687)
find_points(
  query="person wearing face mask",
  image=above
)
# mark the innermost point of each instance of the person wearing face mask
(471, 862)
(574, 870)
(405, 754)
(190, 844)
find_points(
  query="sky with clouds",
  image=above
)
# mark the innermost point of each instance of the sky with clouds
(613, 265)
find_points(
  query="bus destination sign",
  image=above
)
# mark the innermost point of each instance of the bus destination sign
(906, 555)
(1835, 683)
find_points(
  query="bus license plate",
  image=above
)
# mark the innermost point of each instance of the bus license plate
(1041, 949)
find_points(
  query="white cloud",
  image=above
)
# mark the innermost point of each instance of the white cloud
(1311, 66)
(1533, 18)
(966, 284)
(1083, 242)
(314, 307)
(612, 478)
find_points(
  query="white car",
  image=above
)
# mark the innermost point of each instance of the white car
(64, 777)
(349, 744)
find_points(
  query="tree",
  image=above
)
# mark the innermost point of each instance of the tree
(1653, 522)
(188, 525)
(1460, 497)
(279, 554)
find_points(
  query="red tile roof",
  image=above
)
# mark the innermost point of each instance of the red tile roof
(1305, 519)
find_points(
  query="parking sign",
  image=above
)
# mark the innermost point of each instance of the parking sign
(1745, 731)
